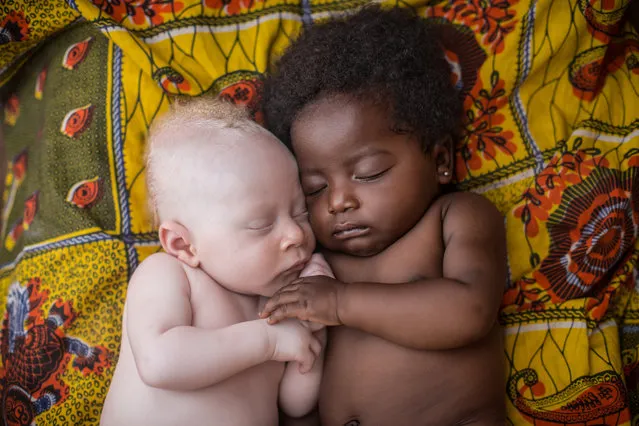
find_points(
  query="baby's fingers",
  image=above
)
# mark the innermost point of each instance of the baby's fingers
(277, 301)
(316, 346)
(307, 361)
(291, 310)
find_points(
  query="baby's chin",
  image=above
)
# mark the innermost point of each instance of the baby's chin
(357, 247)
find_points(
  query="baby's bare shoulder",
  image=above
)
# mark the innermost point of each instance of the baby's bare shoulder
(454, 210)
(159, 261)
(158, 267)
(459, 214)
(158, 273)
(467, 204)
(468, 212)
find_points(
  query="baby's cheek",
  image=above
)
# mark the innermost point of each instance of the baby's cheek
(310, 236)
(318, 223)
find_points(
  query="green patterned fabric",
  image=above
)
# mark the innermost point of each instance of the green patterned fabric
(551, 137)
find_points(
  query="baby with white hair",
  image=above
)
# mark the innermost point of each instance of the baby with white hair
(234, 229)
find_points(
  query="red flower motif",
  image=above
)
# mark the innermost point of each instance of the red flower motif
(246, 93)
(592, 230)
(592, 235)
(171, 81)
(604, 19)
(86, 193)
(77, 121)
(526, 294)
(493, 19)
(14, 27)
(30, 210)
(587, 72)
(12, 110)
(35, 358)
(562, 171)
(535, 208)
(19, 165)
(140, 12)
(484, 134)
(76, 54)
(230, 7)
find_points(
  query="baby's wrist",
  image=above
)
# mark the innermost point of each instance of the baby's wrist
(269, 339)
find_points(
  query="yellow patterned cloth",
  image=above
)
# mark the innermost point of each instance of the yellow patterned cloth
(552, 138)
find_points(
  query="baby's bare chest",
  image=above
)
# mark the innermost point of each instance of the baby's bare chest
(373, 382)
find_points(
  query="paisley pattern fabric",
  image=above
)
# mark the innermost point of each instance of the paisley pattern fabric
(551, 95)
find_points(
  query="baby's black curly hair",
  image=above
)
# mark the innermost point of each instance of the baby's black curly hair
(388, 56)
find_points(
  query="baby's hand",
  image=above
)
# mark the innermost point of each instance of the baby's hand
(313, 299)
(317, 266)
(291, 340)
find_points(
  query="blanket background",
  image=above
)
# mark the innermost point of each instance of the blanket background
(551, 137)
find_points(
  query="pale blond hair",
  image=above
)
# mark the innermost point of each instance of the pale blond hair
(182, 140)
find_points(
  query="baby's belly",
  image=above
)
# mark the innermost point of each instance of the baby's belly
(247, 399)
(371, 382)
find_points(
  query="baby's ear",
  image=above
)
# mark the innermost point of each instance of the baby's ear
(442, 153)
(176, 241)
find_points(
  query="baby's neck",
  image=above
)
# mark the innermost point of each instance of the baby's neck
(248, 302)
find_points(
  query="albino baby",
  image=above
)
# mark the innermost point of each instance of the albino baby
(234, 228)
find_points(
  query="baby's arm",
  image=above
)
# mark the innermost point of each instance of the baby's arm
(428, 314)
(172, 354)
(441, 313)
(299, 392)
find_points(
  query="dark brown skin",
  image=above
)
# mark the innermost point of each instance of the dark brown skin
(419, 276)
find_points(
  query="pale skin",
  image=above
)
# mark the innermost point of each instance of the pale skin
(419, 276)
(194, 350)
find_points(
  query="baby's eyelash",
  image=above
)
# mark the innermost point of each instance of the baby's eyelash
(261, 228)
(316, 192)
(373, 177)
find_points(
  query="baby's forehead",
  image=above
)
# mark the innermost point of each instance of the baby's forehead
(202, 143)
(252, 150)
(244, 191)
(246, 154)
(224, 154)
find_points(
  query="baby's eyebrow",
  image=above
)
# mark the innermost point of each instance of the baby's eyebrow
(358, 156)
(311, 171)
(368, 152)
(253, 210)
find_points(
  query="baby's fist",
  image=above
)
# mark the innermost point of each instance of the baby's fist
(291, 340)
